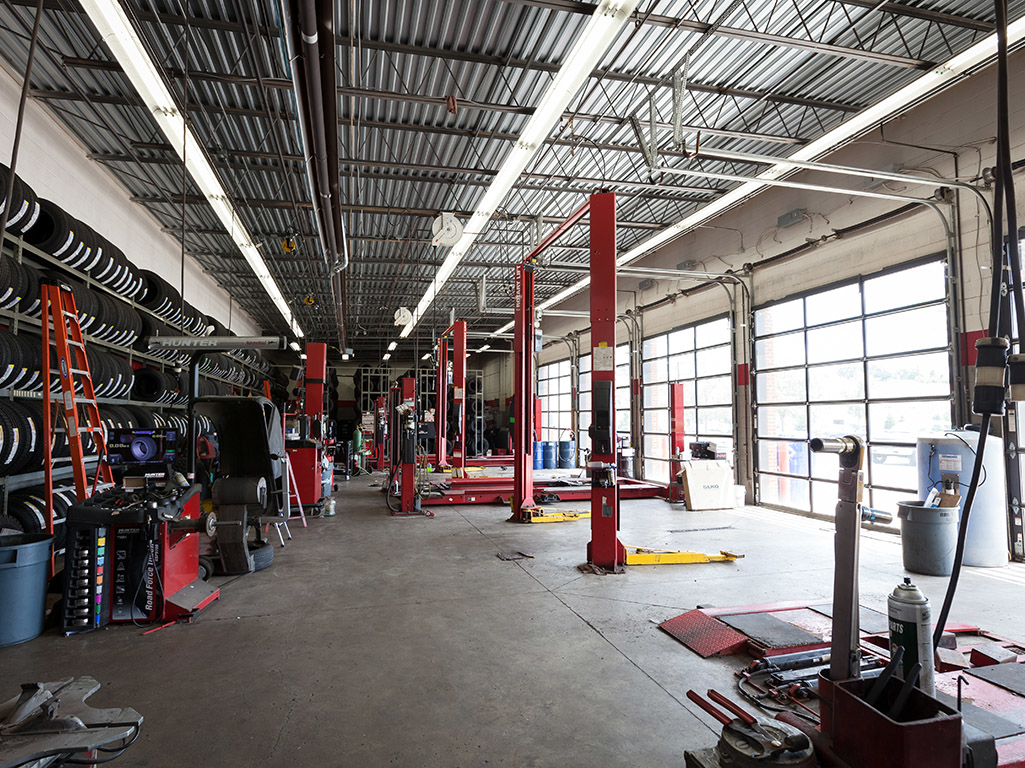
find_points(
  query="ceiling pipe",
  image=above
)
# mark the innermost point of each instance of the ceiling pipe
(312, 78)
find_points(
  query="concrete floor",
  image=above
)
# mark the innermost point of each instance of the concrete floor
(375, 641)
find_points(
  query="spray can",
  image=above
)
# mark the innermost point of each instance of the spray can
(911, 627)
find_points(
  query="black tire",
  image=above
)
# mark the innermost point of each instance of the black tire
(10, 525)
(262, 553)
(206, 567)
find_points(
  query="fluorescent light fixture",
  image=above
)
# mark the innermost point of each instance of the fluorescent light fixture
(426, 357)
(599, 33)
(345, 356)
(294, 345)
(485, 348)
(120, 36)
(387, 356)
(925, 86)
(302, 355)
(391, 347)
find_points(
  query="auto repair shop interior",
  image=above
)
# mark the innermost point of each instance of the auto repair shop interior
(512, 382)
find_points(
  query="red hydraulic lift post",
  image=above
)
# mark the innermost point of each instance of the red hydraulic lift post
(458, 330)
(677, 438)
(316, 375)
(604, 550)
(408, 470)
(523, 375)
(441, 406)
(381, 432)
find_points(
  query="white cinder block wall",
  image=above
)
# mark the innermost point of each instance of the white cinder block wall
(56, 166)
(953, 134)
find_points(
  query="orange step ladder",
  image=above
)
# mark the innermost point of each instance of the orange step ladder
(81, 415)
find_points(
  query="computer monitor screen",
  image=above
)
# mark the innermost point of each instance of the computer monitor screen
(142, 447)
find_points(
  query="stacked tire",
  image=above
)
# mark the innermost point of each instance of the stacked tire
(152, 385)
(25, 208)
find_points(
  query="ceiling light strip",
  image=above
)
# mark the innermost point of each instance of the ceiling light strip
(922, 88)
(599, 33)
(125, 44)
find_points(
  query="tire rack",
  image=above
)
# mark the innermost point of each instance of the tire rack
(18, 249)
(427, 384)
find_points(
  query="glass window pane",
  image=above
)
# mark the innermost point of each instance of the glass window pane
(656, 471)
(843, 381)
(837, 420)
(894, 466)
(585, 401)
(715, 391)
(563, 368)
(905, 421)
(565, 403)
(715, 421)
(654, 347)
(623, 399)
(779, 351)
(714, 361)
(783, 492)
(681, 341)
(710, 334)
(655, 395)
(913, 376)
(825, 466)
(542, 388)
(784, 457)
(830, 306)
(623, 425)
(656, 446)
(823, 498)
(655, 370)
(924, 328)
(781, 386)
(783, 421)
(656, 421)
(689, 393)
(788, 316)
(622, 375)
(909, 286)
(585, 382)
(690, 421)
(835, 342)
(681, 366)
(584, 364)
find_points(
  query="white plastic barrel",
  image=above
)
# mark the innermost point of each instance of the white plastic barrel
(953, 453)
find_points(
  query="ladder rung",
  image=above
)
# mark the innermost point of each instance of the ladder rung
(69, 313)
(74, 343)
(79, 371)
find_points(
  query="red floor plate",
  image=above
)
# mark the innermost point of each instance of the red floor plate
(705, 635)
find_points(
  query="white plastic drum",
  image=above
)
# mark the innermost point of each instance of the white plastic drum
(954, 453)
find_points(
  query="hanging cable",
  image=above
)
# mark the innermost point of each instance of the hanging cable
(16, 147)
(992, 360)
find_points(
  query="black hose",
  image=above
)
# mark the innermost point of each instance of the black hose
(387, 491)
(962, 535)
(1003, 199)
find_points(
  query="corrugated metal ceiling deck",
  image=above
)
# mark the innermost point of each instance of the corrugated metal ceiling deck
(765, 76)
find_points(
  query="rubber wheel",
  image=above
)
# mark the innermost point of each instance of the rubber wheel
(10, 525)
(263, 554)
(206, 567)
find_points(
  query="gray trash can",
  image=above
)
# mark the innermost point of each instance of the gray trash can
(928, 537)
(24, 563)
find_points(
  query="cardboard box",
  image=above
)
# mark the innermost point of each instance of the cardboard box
(708, 484)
